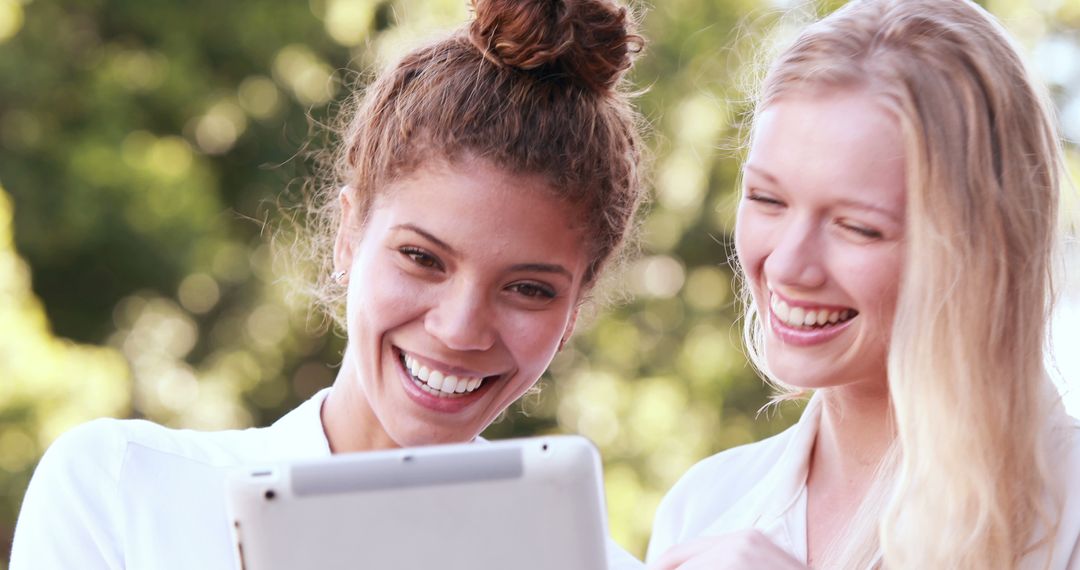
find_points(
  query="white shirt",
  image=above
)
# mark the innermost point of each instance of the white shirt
(763, 486)
(114, 494)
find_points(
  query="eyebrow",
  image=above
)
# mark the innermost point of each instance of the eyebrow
(873, 208)
(849, 203)
(427, 235)
(750, 167)
(543, 268)
(553, 268)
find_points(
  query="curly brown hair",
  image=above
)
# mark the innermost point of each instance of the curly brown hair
(533, 86)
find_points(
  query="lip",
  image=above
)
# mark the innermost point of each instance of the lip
(442, 366)
(806, 336)
(806, 304)
(435, 403)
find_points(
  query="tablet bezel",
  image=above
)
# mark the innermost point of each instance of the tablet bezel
(530, 504)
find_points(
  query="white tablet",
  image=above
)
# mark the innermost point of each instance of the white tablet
(525, 504)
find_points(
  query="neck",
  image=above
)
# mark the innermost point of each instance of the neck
(855, 432)
(348, 420)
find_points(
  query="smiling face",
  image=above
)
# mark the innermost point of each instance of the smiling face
(461, 285)
(819, 234)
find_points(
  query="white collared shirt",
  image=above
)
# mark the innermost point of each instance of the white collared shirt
(757, 486)
(114, 494)
(763, 486)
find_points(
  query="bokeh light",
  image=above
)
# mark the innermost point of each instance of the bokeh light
(348, 21)
(259, 97)
(11, 19)
(216, 130)
(309, 78)
(199, 293)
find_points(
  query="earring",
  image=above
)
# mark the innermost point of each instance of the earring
(337, 276)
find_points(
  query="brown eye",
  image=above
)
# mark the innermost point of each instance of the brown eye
(421, 257)
(533, 291)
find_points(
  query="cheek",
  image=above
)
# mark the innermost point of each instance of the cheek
(533, 339)
(741, 222)
(385, 300)
(751, 250)
(890, 293)
(749, 245)
(878, 281)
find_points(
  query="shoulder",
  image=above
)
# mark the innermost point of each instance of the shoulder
(95, 447)
(1067, 539)
(737, 464)
(99, 463)
(1067, 460)
(91, 492)
(108, 441)
(96, 455)
(712, 487)
(724, 477)
(72, 499)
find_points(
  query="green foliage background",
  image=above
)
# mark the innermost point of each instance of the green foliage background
(143, 144)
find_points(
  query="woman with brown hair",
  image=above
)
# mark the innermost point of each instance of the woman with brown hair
(484, 183)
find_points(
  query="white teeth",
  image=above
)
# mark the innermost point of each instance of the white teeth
(803, 317)
(780, 308)
(438, 383)
(449, 384)
(796, 316)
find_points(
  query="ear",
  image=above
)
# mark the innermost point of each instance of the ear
(347, 229)
(569, 331)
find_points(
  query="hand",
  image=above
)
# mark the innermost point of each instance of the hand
(743, 550)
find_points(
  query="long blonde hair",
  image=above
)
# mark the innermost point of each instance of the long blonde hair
(968, 479)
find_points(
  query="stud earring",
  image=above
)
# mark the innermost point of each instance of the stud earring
(337, 276)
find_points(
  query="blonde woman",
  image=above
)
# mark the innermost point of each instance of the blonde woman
(896, 236)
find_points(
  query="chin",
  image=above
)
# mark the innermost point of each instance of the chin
(801, 381)
(424, 433)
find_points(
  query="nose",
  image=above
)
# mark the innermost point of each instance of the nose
(797, 258)
(462, 318)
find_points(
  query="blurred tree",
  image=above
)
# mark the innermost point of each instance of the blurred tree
(48, 384)
(146, 145)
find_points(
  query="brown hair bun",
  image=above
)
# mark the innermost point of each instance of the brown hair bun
(590, 42)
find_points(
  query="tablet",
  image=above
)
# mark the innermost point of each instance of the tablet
(526, 504)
